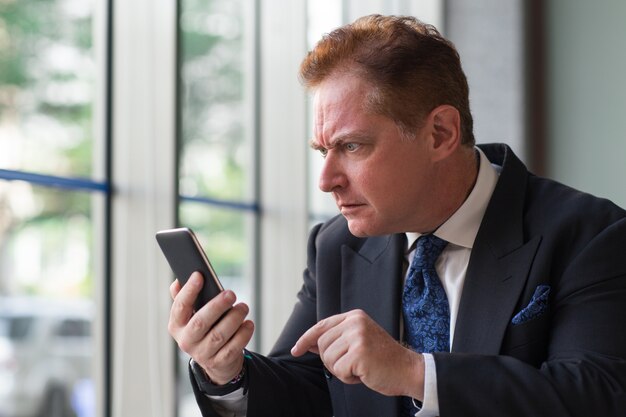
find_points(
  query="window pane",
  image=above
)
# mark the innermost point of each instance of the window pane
(227, 237)
(46, 86)
(323, 17)
(46, 300)
(217, 155)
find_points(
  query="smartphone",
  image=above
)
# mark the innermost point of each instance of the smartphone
(185, 255)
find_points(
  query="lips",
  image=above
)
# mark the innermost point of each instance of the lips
(347, 209)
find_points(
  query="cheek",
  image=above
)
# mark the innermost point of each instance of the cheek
(388, 183)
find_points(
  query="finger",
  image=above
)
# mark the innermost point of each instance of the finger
(175, 288)
(332, 345)
(343, 369)
(205, 318)
(182, 308)
(227, 363)
(240, 339)
(190, 290)
(243, 336)
(332, 338)
(221, 333)
(308, 341)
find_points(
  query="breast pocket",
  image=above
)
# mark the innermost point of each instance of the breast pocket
(528, 341)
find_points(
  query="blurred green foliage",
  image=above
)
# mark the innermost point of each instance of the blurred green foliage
(47, 83)
(216, 144)
(216, 154)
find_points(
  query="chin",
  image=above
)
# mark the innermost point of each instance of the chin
(361, 230)
(370, 228)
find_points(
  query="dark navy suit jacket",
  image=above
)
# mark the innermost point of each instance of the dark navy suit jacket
(568, 361)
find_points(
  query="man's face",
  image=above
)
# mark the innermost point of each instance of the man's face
(380, 180)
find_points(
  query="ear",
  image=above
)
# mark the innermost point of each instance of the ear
(445, 122)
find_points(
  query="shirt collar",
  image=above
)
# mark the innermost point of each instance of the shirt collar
(462, 227)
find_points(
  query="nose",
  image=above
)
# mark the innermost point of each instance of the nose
(333, 175)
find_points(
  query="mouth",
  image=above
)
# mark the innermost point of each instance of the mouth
(350, 209)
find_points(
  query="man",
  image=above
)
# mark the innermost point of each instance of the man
(512, 304)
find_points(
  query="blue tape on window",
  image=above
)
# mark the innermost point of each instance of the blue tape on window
(55, 182)
(235, 205)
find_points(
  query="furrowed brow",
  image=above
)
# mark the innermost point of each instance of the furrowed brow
(340, 140)
(315, 145)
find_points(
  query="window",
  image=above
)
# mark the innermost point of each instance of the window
(53, 190)
(179, 130)
(217, 149)
(323, 17)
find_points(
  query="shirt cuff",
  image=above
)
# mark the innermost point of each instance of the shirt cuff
(208, 387)
(234, 404)
(430, 405)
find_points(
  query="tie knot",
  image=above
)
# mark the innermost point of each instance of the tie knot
(427, 250)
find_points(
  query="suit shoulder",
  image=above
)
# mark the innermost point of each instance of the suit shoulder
(335, 232)
(557, 210)
(566, 202)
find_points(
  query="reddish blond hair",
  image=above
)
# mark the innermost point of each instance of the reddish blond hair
(411, 67)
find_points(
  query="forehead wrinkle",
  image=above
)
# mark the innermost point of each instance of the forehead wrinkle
(331, 106)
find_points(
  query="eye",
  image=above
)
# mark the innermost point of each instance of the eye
(323, 152)
(351, 147)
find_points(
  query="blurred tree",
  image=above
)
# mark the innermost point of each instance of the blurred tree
(47, 82)
(216, 155)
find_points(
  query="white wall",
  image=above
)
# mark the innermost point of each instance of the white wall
(587, 95)
(489, 37)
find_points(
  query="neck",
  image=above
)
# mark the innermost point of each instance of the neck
(457, 177)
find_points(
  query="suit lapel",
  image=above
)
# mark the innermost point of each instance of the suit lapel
(371, 281)
(499, 264)
(492, 287)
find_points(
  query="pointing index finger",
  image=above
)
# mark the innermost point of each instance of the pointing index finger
(308, 341)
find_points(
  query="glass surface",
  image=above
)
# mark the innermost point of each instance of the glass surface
(45, 241)
(323, 17)
(46, 86)
(227, 237)
(217, 158)
(46, 293)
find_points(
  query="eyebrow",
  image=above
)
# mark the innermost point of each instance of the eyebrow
(315, 145)
(340, 140)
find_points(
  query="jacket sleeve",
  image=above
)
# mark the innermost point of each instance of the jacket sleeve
(280, 384)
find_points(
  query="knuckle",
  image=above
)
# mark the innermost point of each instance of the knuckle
(184, 345)
(216, 337)
(359, 347)
(197, 323)
(172, 328)
(340, 372)
(229, 353)
(178, 308)
(360, 315)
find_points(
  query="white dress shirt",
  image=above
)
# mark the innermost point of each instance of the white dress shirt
(460, 232)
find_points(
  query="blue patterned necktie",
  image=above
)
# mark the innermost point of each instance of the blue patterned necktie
(425, 305)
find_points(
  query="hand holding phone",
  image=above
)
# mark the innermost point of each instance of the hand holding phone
(185, 256)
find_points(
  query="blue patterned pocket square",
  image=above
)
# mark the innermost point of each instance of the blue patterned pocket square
(537, 306)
